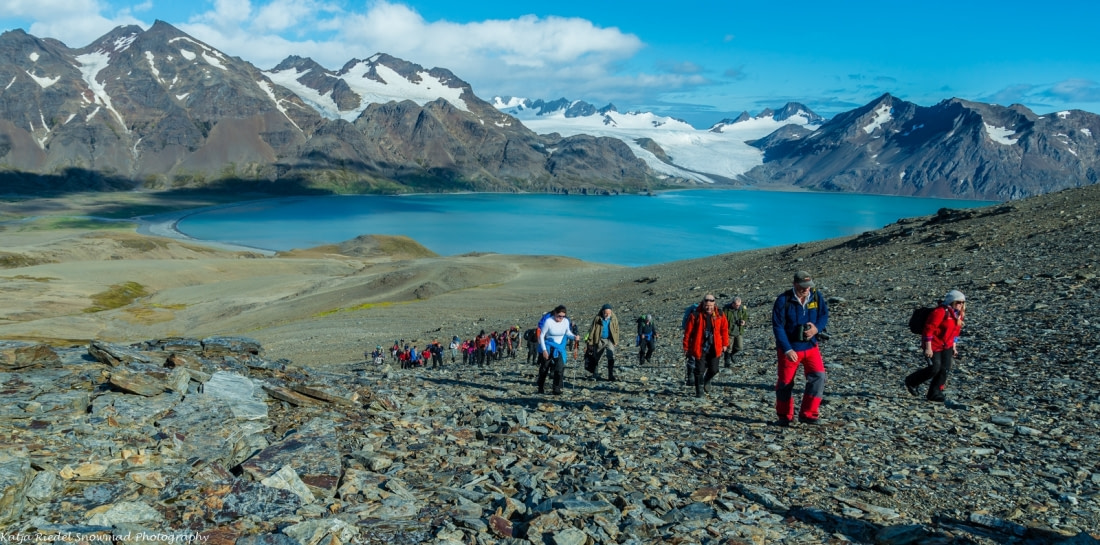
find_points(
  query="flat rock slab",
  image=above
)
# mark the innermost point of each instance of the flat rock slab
(312, 452)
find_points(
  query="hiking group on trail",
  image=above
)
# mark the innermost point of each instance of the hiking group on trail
(712, 337)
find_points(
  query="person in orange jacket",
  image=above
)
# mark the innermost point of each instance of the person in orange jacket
(706, 337)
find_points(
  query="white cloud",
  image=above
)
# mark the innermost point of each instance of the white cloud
(280, 15)
(227, 14)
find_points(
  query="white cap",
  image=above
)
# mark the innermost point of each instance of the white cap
(953, 296)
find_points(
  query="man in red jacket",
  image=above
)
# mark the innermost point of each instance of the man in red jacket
(706, 337)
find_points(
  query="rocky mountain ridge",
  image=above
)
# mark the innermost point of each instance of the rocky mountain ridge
(159, 109)
(956, 148)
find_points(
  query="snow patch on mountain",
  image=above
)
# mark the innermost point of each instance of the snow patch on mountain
(91, 64)
(1000, 135)
(393, 88)
(882, 116)
(702, 155)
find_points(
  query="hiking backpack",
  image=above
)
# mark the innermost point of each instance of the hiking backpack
(919, 318)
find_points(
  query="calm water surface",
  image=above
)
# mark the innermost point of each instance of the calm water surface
(625, 230)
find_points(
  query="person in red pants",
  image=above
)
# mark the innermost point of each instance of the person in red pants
(799, 315)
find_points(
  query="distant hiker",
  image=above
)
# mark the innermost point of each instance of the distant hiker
(603, 337)
(377, 356)
(491, 349)
(552, 346)
(531, 339)
(689, 364)
(455, 342)
(471, 352)
(941, 332)
(647, 338)
(798, 315)
(705, 339)
(737, 315)
(482, 344)
(513, 341)
(437, 354)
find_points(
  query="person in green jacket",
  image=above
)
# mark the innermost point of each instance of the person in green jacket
(737, 315)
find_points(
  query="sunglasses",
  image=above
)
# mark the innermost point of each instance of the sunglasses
(561, 316)
(708, 300)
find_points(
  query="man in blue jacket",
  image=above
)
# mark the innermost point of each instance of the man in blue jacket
(799, 314)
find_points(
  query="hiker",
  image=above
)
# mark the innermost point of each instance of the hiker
(689, 364)
(941, 331)
(553, 336)
(378, 357)
(737, 315)
(482, 345)
(603, 337)
(647, 338)
(491, 349)
(798, 315)
(513, 341)
(706, 336)
(455, 342)
(437, 354)
(471, 351)
(531, 339)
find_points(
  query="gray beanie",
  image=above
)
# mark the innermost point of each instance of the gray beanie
(953, 296)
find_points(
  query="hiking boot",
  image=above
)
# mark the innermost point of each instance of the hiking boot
(783, 422)
(938, 399)
(808, 420)
(911, 389)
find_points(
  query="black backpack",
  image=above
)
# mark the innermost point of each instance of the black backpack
(530, 335)
(919, 318)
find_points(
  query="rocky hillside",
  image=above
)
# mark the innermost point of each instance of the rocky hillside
(955, 148)
(296, 440)
(159, 109)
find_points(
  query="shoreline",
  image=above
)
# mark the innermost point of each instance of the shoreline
(166, 225)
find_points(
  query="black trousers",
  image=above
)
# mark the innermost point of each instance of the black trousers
(645, 350)
(705, 369)
(939, 366)
(554, 366)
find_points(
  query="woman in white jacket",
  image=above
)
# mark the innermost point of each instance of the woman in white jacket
(552, 342)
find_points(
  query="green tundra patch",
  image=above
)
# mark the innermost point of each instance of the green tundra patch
(117, 296)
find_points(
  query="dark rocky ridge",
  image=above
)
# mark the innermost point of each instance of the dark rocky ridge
(465, 455)
(956, 148)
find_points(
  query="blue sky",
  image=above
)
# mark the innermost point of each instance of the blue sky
(696, 60)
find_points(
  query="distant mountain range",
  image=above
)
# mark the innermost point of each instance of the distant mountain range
(159, 109)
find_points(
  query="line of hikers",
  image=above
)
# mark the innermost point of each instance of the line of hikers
(711, 335)
(483, 349)
(799, 318)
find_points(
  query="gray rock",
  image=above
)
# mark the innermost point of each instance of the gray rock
(16, 477)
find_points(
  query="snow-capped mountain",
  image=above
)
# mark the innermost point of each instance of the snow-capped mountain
(157, 108)
(956, 148)
(668, 145)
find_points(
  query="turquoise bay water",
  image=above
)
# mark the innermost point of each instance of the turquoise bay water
(626, 230)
